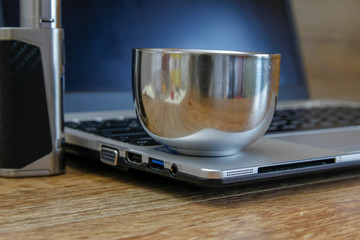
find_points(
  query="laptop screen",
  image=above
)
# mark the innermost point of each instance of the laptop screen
(100, 36)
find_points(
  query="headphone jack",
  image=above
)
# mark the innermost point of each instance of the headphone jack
(174, 170)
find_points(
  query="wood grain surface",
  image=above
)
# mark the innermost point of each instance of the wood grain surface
(93, 201)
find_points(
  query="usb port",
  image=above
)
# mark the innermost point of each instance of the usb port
(134, 157)
(156, 164)
(109, 155)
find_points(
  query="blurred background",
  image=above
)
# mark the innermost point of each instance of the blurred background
(329, 35)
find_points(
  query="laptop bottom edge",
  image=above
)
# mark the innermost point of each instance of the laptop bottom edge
(311, 168)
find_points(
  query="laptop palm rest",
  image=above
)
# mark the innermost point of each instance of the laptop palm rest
(347, 140)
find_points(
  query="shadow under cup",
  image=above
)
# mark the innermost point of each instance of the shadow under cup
(205, 102)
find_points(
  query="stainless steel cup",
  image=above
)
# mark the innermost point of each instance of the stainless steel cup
(205, 102)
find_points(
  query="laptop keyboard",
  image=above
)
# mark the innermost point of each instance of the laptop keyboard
(314, 118)
(130, 130)
(125, 130)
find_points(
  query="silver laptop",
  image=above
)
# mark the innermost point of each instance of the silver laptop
(100, 122)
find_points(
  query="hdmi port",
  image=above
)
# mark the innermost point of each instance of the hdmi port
(134, 157)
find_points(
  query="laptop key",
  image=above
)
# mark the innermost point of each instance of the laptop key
(113, 124)
(145, 141)
(71, 125)
(90, 124)
(290, 127)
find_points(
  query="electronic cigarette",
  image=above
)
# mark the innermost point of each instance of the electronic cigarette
(31, 84)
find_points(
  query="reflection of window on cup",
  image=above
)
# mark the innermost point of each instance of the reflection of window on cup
(161, 84)
(175, 75)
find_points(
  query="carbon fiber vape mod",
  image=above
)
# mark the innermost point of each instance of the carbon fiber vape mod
(31, 75)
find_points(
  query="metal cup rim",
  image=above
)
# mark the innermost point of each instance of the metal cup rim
(207, 52)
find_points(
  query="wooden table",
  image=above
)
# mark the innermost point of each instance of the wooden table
(94, 201)
(101, 203)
